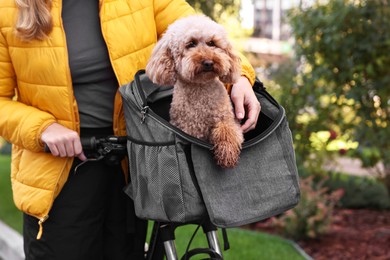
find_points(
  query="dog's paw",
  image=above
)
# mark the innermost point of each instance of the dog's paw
(227, 138)
(227, 154)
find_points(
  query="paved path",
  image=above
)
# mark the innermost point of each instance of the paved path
(354, 167)
(11, 243)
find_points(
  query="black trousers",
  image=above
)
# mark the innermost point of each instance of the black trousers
(92, 218)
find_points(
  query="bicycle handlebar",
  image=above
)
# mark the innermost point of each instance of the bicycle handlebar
(115, 146)
(94, 144)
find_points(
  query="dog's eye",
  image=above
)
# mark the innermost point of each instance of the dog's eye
(191, 44)
(211, 43)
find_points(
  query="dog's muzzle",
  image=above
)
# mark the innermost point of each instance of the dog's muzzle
(208, 65)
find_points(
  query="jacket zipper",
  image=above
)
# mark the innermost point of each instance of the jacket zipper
(40, 222)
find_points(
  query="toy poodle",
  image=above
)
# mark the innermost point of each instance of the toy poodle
(195, 56)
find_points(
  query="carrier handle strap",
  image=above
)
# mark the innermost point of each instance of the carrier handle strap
(226, 244)
(258, 87)
(138, 86)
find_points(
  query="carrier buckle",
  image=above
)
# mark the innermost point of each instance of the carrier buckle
(144, 111)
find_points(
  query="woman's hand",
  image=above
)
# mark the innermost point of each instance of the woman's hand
(245, 104)
(63, 142)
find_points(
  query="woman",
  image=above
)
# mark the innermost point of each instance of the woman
(61, 63)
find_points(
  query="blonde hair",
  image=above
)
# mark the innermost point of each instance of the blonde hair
(34, 19)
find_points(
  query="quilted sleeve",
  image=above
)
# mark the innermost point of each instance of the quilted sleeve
(167, 11)
(20, 124)
(247, 69)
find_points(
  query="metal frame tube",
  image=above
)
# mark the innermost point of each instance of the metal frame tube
(170, 250)
(213, 241)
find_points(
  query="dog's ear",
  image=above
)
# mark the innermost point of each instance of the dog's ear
(161, 67)
(235, 67)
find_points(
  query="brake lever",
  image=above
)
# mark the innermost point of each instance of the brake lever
(88, 160)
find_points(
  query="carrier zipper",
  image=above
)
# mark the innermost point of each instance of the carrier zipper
(179, 132)
(204, 144)
(145, 111)
(40, 222)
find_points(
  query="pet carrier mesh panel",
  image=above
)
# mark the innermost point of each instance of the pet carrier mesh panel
(174, 177)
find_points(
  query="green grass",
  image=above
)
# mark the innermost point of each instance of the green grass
(244, 244)
(9, 214)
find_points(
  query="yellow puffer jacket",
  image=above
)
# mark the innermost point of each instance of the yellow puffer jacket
(36, 87)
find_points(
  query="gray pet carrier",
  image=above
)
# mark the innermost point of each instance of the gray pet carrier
(174, 177)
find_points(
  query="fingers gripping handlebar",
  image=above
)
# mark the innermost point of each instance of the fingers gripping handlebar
(104, 146)
(111, 148)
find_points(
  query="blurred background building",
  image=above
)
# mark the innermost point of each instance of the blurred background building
(271, 36)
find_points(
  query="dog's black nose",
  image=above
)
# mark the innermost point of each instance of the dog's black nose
(208, 65)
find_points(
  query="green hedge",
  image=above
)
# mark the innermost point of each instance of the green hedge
(360, 192)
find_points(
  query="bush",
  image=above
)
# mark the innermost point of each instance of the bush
(313, 215)
(359, 192)
(342, 84)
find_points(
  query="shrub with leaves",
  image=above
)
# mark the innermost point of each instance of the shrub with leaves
(343, 51)
(359, 191)
(313, 215)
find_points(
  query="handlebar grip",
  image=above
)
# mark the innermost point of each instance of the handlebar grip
(117, 139)
(46, 149)
(91, 143)
(87, 143)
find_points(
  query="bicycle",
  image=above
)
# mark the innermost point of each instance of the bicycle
(112, 149)
(164, 233)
